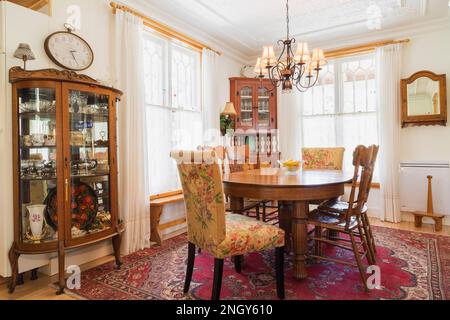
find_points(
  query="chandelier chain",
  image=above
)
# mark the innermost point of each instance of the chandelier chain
(287, 18)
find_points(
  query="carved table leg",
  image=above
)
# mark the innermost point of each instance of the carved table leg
(61, 268)
(14, 261)
(285, 217)
(155, 218)
(300, 237)
(116, 241)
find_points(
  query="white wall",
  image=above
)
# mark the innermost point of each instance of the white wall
(427, 51)
(24, 25)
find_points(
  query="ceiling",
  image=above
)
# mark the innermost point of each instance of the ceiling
(247, 25)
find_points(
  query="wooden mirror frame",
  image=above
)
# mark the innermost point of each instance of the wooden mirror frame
(425, 120)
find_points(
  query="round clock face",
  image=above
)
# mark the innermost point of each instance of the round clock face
(69, 51)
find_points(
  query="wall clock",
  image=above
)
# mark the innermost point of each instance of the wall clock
(69, 50)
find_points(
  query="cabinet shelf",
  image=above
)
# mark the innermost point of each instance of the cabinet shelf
(97, 117)
(33, 114)
(43, 178)
(37, 147)
(90, 175)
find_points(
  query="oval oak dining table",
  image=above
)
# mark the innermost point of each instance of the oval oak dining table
(298, 190)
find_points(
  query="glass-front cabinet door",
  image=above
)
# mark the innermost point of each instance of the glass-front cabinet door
(263, 107)
(37, 135)
(89, 123)
(246, 98)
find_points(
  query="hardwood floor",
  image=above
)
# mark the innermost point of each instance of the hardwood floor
(40, 289)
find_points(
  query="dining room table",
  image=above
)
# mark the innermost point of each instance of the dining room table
(293, 191)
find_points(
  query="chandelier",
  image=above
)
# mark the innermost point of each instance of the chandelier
(300, 70)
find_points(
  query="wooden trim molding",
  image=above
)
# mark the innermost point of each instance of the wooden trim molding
(17, 74)
(163, 29)
(360, 49)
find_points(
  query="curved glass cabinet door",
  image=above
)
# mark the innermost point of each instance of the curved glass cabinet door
(37, 159)
(89, 158)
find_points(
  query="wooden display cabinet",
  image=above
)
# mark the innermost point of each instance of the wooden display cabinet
(255, 103)
(64, 165)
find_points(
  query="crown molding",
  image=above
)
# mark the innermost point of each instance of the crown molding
(408, 31)
(162, 16)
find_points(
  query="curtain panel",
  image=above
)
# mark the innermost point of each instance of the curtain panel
(134, 208)
(389, 64)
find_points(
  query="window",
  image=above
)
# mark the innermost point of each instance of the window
(341, 110)
(172, 97)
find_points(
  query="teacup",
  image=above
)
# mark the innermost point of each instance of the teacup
(38, 139)
(27, 141)
(49, 140)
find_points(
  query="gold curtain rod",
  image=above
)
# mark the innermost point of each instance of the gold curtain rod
(163, 29)
(365, 48)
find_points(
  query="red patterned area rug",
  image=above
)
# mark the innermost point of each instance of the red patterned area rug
(413, 266)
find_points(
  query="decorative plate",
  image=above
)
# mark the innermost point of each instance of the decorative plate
(84, 207)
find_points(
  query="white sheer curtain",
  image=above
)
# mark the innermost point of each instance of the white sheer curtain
(389, 63)
(211, 106)
(134, 206)
(289, 122)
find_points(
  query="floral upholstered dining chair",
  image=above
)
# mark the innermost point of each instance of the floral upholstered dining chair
(323, 158)
(218, 233)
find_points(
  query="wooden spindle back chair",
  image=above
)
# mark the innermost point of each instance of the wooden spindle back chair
(349, 222)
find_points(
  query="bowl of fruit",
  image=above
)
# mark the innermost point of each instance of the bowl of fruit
(291, 166)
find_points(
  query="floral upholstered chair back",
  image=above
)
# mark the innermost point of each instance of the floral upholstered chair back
(200, 176)
(323, 158)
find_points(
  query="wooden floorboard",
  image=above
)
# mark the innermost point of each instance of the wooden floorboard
(41, 289)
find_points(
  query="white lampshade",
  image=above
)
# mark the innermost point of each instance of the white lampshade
(268, 56)
(260, 69)
(302, 55)
(318, 58)
(229, 109)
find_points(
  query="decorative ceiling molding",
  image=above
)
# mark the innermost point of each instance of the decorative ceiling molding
(240, 28)
(165, 17)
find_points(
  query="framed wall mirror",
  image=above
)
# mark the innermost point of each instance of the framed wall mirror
(43, 6)
(424, 99)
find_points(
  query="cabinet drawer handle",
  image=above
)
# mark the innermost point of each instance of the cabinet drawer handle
(67, 189)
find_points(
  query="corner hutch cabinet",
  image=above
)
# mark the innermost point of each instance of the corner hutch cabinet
(65, 168)
(255, 103)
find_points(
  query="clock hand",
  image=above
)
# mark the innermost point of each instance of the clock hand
(73, 55)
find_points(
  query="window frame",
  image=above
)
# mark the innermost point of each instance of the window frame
(339, 102)
(169, 43)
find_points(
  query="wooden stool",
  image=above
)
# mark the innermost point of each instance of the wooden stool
(430, 210)
(436, 217)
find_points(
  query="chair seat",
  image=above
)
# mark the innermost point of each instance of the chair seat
(337, 206)
(246, 235)
(330, 220)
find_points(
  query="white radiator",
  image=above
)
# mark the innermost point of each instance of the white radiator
(414, 186)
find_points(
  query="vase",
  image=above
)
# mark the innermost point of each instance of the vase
(36, 219)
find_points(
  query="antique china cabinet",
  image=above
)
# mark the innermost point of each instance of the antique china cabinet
(65, 167)
(255, 101)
